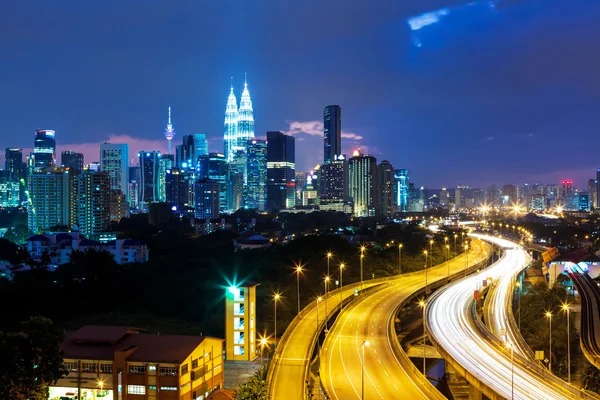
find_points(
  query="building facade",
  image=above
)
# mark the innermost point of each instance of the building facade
(207, 198)
(255, 190)
(44, 148)
(281, 171)
(362, 177)
(123, 363)
(240, 323)
(332, 133)
(71, 160)
(89, 202)
(385, 189)
(401, 189)
(49, 194)
(333, 181)
(114, 159)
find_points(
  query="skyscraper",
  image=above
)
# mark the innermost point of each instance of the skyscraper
(13, 164)
(281, 169)
(114, 159)
(89, 202)
(598, 188)
(255, 190)
(385, 188)
(207, 199)
(362, 176)
(231, 125)
(245, 121)
(214, 166)
(71, 160)
(44, 148)
(334, 181)
(592, 190)
(153, 169)
(49, 193)
(332, 133)
(169, 131)
(401, 189)
(9, 190)
(200, 146)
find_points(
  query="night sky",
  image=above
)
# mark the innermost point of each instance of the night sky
(487, 92)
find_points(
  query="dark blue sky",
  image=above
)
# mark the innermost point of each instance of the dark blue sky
(500, 94)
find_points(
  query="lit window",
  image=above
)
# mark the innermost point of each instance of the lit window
(168, 388)
(137, 369)
(168, 371)
(136, 389)
(151, 367)
(184, 369)
(70, 366)
(88, 367)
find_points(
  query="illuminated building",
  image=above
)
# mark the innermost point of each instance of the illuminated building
(89, 202)
(44, 148)
(334, 181)
(200, 146)
(207, 198)
(71, 160)
(214, 166)
(9, 191)
(49, 193)
(169, 132)
(231, 125)
(153, 170)
(362, 178)
(240, 323)
(444, 198)
(255, 190)
(300, 181)
(310, 192)
(332, 133)
(281, 171)
(401, 189)
(13, 164)
(385, 188)
(124, 363)
(245, 120)
(119, 206)
(566, 188)
(114, 159)
(177, 191)
(598, 188)
(592, 190)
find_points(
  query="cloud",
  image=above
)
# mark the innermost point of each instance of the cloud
(315, 128)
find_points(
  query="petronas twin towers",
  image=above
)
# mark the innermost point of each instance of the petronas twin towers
(239, 124)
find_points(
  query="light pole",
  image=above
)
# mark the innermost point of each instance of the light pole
(100, 384)
(520, 292)
(276, 298)
(342, 265)
(549, 316)
(422, 305)
(426, 280)
(365, 343)
(400, 258)
(263, 342)
(566, 308)
(455, 236)
(298, 271)
(326, 282)
(329, 255)
(431, 247)
(467, 261)
(448, 258)
(362, 255)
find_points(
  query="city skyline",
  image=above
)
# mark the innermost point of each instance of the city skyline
(402, 100)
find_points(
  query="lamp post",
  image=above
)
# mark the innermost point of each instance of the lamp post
(422, 305)
(326, 283)
(342, 265)
(448, 258)
(549, 316)
(426, 279)
(365, 343)
(455, 236)
(400, 258)
(566, 308)
(329, 255)
(467, 260)
(298, 271)
(276, 298)
(362, 256)
(520, 292)
(263, 342)
(100, 384)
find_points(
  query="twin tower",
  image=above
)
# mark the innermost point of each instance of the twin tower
(239, 123)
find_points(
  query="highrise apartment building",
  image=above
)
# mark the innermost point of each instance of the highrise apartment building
(281, 170)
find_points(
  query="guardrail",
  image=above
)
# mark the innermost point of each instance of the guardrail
(587, 340)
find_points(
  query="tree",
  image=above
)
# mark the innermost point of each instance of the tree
(256, 387)
(18, 234)
(30, 360)
(591, 379)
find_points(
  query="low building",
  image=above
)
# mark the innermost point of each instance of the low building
(122, 363)
(59, 247)
(252, 241)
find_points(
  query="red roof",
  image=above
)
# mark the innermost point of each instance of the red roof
(102, 334)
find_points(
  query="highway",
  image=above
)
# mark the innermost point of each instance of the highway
(483, 358)
(590, 314)
(388, 373)
(289, 366)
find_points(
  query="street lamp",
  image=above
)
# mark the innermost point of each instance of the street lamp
(400, 258)
(566, 308)
(549, 316)
(329, 255)
(455, 236)
(520, 292)
(362, 256)
(298, 271)
(100, 384)
(276, 298)
(326, 283)
(365, 343)
(263, 342)
(467, 261)
(342, 266)
(426, 280)
(448, 258)
(422, 305)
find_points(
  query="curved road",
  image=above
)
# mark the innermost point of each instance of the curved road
(370, 318)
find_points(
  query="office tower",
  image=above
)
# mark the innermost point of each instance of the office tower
(385, 188)
(90, 202)
(200, 146)
(401, 189)
(169, 132)
(300, 180)
(245, 121)
(177, 189)
(44, 148)
(184, 153)
(231, 125)
(444, 198)
(93, 166)
(9, 190)
(153, 169)
(334, 181)
(236, 177)
(509, 195)
(281, 171)
(13, 164)
(207, 199)
(332, 133)
(592, 190)
(255, 190)
(114, 159)
(582, 201)
(134, 188)
(310, 190)
(362, 177)
(49, 194)
(214, 166)
(566, 188)
(71, 160)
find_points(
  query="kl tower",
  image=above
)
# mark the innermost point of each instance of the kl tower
(169, 132)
